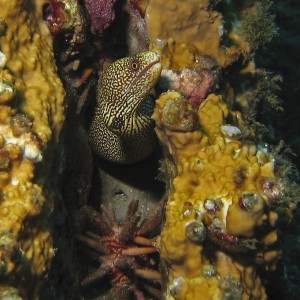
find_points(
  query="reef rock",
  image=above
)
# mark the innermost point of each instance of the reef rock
(31, 116)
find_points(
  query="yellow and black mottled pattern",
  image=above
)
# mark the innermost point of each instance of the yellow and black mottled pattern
(122, 129)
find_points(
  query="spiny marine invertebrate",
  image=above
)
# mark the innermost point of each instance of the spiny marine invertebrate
(122, 130)
(126, 252)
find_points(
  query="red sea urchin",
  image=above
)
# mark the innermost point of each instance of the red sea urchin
(125, 252)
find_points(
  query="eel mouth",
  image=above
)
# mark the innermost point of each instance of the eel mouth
(156, 65)
(153, 68)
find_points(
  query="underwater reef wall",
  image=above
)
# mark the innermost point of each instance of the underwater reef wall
(229, 196)
(32, 112)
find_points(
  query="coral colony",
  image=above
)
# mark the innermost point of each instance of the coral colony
(31, 115)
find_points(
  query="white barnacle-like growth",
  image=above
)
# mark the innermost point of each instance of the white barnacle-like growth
(231, 132)
(26, 141)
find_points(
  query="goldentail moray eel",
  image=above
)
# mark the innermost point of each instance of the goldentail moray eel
(122, 129)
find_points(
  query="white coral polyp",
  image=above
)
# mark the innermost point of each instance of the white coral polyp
(32, 152)
(3, 60)
(25, 141)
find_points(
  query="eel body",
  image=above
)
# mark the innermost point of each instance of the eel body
(122, 129)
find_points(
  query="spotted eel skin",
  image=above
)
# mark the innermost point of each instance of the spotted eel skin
(122, 129)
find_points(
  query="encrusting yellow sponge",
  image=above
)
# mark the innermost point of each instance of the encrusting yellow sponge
(220, 219)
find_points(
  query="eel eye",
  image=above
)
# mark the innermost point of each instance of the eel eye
(134, 65)
(117, 123)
